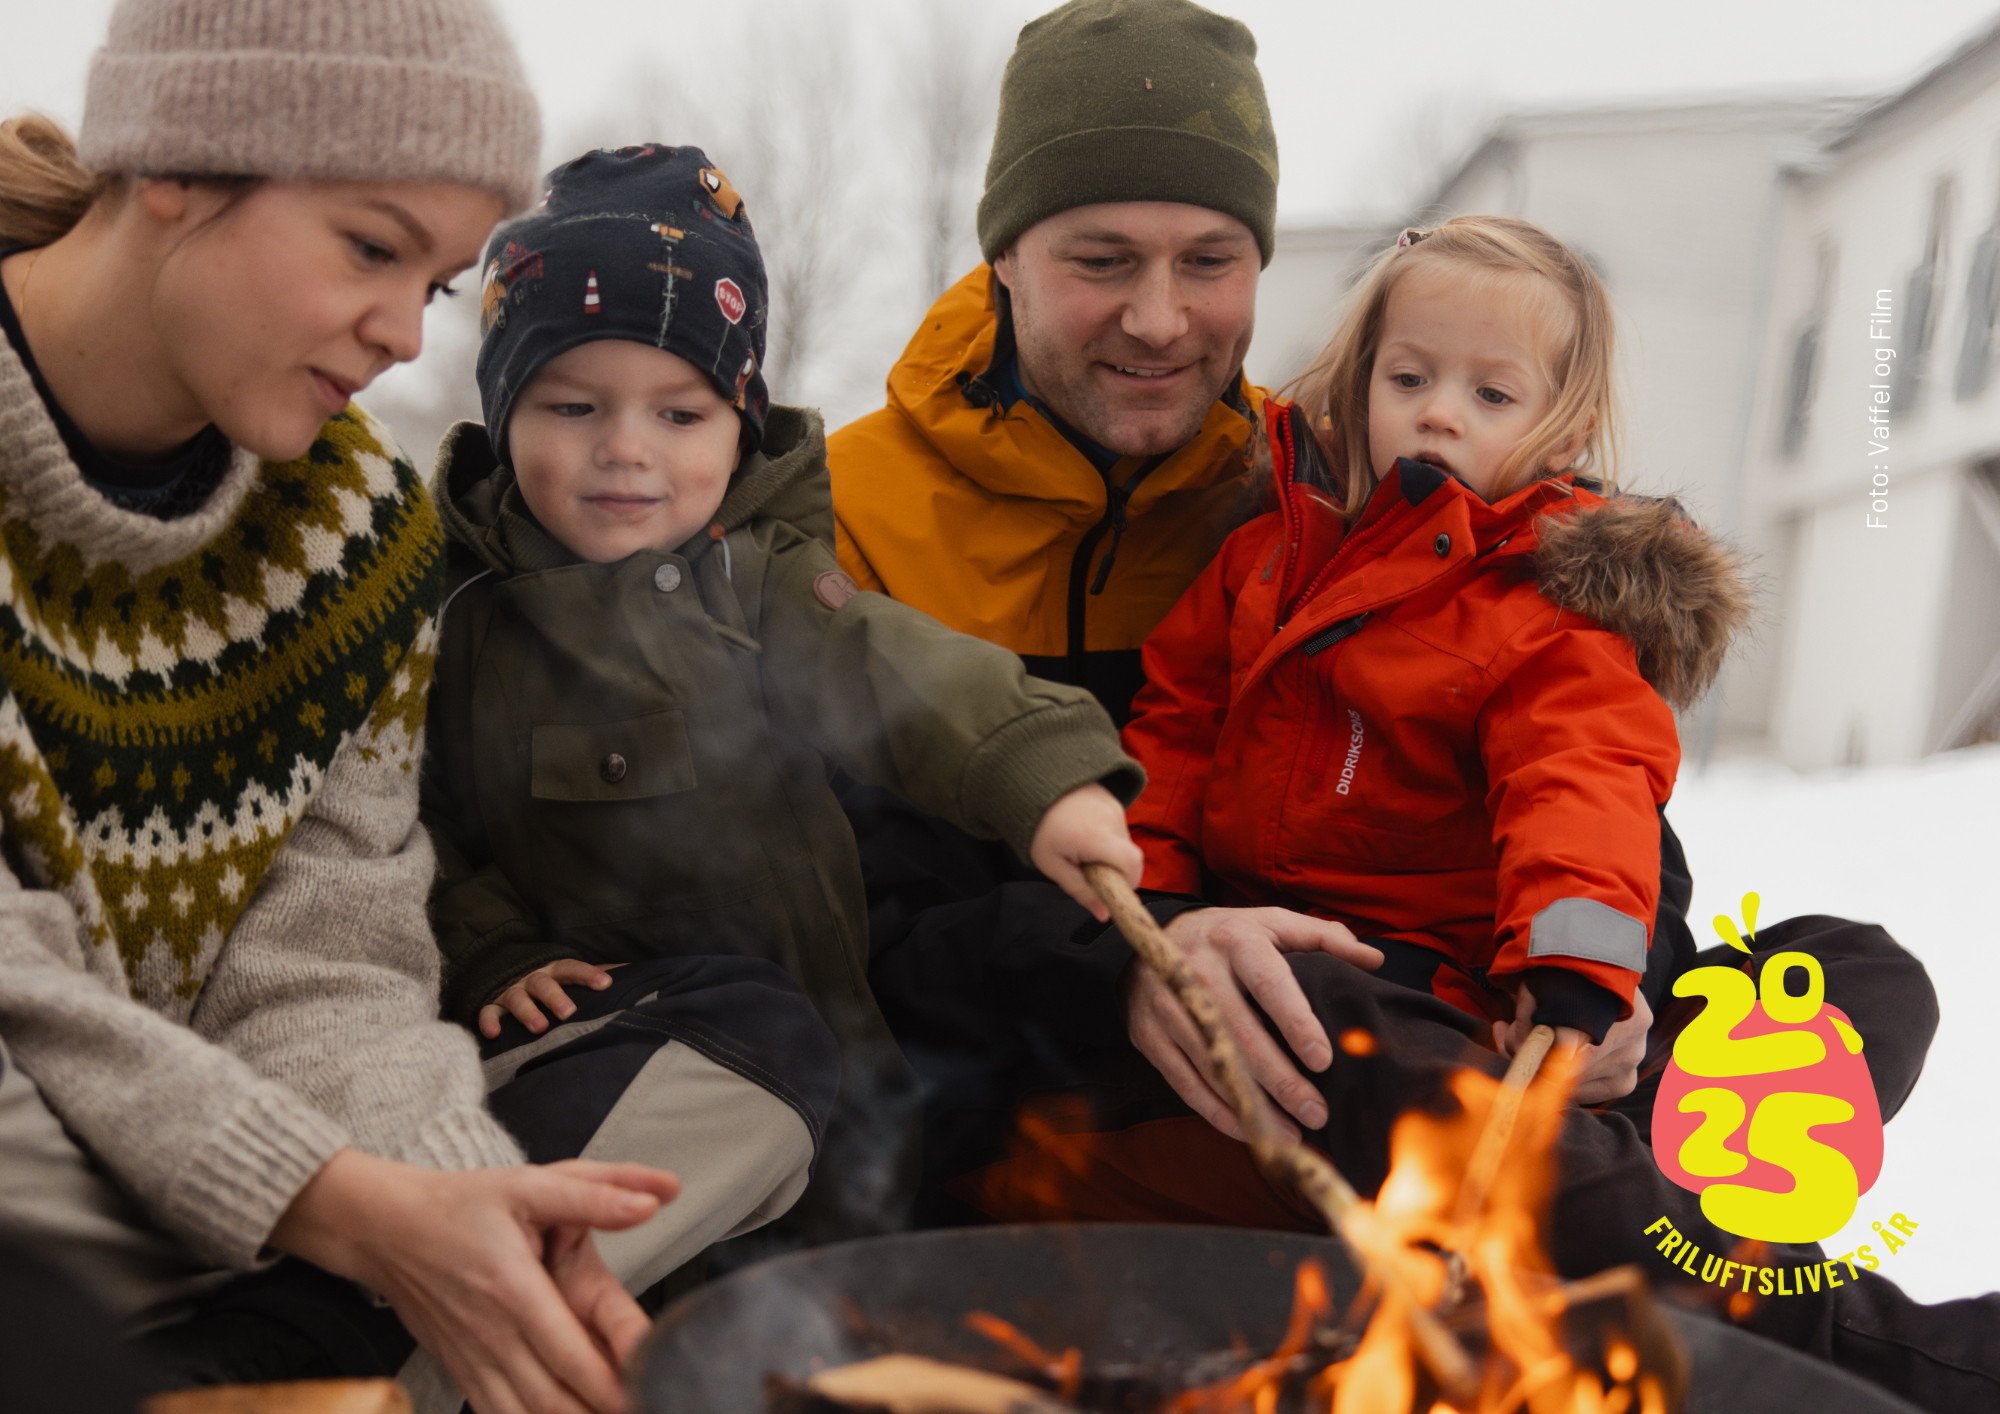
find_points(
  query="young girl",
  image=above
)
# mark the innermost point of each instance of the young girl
(1427, 697)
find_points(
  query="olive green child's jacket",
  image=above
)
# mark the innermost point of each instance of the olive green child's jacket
(631, 760)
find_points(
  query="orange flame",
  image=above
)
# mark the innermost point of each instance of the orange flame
(1424, 1209)
(1066, 1369)
(1257, 1387)
(1463, 1183)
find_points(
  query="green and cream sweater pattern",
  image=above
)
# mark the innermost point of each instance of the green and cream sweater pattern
(163, 731)
(214, 959)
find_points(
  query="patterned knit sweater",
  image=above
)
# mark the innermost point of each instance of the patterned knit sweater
(214, 957)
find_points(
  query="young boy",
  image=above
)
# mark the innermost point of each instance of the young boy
(651, 659)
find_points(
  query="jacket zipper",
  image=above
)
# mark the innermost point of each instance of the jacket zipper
(1322, 673)
(1116, 497)
(1295, 530)
(1081, 584)
(1320, 580)
(1322, 749)
(1281, 427)
(1336, 633)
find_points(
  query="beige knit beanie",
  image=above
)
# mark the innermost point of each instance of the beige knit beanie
(357, 90)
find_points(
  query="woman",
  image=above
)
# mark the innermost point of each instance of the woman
(218, 585)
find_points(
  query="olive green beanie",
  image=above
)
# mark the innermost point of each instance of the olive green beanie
(1130, 100)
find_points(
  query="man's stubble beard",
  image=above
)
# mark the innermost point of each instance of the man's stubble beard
(1099, 423)
(1081, 406)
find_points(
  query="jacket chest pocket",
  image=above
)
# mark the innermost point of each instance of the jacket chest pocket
(634, 759)
(1392, 764)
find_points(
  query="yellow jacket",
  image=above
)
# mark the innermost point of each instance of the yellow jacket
(992, 522)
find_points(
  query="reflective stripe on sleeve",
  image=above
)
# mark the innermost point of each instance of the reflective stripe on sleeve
(1585, 928)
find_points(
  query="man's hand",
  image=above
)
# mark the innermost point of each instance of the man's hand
(1086, 826)
(1234, 951)
(1606, 1071)
(543, 986)
(491, 1270)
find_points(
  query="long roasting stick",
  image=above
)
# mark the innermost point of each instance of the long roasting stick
(1283, 1158)
(1484, 1165)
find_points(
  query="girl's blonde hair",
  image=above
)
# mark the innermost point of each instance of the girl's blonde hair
(1333, 391)
(44, 188)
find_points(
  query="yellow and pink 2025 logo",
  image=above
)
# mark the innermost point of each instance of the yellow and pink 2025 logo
(1767, 1109)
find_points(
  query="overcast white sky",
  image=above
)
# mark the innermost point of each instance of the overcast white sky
(1369, 100)
(1346, 79)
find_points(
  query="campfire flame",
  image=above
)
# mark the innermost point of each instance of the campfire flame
(1459, 1219)
(1064, 1371)
(1458, 1224)
(1257, 1388)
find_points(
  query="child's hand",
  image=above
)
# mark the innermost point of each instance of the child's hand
(1087, 826)
(543, 985)
(1606, 1071)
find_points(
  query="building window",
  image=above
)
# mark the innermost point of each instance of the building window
(1920, 312)
(1982, 305)
(1803, 379)
(1969, 684)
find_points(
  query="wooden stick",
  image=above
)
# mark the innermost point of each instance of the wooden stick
(301, 1397)
(912, 1384)
(1484, 1165)
(1307, 1169)
(1283, 1158)
(1623, 1281)
(1555, 1296)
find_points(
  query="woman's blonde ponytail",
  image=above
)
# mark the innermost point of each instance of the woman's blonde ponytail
(44, 188)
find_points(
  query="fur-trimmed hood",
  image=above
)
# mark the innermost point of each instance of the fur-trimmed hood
(1637, 565)
(1640, 568)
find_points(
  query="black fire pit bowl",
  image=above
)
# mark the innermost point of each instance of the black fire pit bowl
(1127, 1294)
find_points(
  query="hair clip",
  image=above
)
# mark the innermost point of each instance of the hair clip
(1411, 235)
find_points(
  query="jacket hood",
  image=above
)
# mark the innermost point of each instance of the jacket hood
(1633, 564)
(481, 506)
(1638, 567)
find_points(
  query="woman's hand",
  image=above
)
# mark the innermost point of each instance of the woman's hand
(1234, 951)
(545, 986)
(1086, 826)
(491, 1270)
(1606, 1071)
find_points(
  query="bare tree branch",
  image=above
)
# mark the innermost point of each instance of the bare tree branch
(952, 97)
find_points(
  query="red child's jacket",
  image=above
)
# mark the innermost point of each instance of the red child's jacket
(1426, 727)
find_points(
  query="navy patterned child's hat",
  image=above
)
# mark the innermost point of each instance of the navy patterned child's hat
(650, 244)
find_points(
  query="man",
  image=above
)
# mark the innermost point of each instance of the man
(1067, 439)
(1075, 421)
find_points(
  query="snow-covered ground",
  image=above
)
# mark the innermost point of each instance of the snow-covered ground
(1916, 849)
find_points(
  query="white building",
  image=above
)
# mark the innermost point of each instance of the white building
(1299, 296)
(1873, 488)
(1678, 207)
(1758, 254)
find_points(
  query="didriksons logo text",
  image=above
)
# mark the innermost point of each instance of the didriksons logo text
(1355, 735)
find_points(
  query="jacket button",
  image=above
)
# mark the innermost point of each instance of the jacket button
(1442, 545)
(612, 768)
(667, 578)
